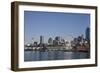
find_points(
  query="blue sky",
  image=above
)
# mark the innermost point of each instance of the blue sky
(52, 24)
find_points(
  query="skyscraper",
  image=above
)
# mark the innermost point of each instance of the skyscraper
(41, 39)
(50, 41)
(87, 34)
(58, 40)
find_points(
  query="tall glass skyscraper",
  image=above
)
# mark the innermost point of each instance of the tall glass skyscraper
(87, 34)
(41, 39)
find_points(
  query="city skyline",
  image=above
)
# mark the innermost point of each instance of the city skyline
(51, 24)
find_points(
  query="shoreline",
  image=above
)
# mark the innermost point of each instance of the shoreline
(56, 50)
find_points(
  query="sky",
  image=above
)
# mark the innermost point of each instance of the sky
(52, 24)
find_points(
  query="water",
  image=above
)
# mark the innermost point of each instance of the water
(54, 55)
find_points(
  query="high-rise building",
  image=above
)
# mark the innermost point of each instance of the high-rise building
(87, 34)
(35, 43)
(57, 40)
(41, 40)
(63, 41)
(50, 41)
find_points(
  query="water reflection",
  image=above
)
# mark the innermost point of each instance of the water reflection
(53, 55)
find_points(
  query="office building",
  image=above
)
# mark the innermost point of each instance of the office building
(41, 40)
(50, 41)
(87, 34)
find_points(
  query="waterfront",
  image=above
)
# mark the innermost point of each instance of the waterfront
(54, 55)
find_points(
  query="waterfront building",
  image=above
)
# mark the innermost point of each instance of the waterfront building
(68, 45)
(35, 43)
(76, 40)
(63, 42)
(57, 40)
(87, 34)
(79, 38)
(54, 42)
(41, 40)
(50, 41)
